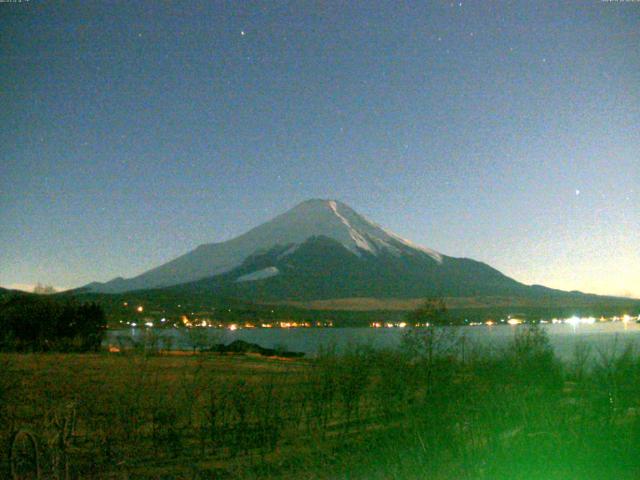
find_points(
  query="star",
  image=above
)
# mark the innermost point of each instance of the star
(243, 33)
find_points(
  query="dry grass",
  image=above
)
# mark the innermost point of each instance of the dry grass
(423, 411)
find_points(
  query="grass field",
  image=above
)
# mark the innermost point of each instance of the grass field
(437, 408)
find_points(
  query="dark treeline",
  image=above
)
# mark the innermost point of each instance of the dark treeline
(159, 304)
(37, 323)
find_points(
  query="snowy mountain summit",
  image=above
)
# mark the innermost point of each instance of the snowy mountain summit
(331, 219)
(310, 219)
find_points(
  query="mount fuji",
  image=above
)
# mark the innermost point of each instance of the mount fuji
(319, 250)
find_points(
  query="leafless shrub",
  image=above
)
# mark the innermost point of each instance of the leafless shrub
(25, 456)
(353, 369)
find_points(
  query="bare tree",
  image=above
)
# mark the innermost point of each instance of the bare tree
(44, 289)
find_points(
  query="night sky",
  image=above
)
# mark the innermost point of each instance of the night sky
(508, 132)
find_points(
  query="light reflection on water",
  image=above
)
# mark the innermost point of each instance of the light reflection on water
(563, 337)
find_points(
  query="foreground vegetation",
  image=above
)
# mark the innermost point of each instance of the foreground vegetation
(437, 408)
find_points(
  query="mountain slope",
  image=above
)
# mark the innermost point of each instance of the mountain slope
(323, 250)
(327, 218)
(322, 268)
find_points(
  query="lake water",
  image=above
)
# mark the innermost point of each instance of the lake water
(601, 336)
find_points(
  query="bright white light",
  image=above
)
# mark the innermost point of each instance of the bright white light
(580, 320)
(572, 321)
(148, 324)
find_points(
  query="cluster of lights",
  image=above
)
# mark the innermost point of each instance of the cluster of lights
(294, 324)
(488, 323)
(394, 325)
(186, 322)
(573, 321)
(199, 323)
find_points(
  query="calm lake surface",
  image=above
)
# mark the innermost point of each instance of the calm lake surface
(604, 337)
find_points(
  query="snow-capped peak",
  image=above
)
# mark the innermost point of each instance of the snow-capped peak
(313, 218)
(369, 236)
(335, 220)
(353, 233)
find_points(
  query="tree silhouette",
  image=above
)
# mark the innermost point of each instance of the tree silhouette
(432, 311)
(36, 323)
